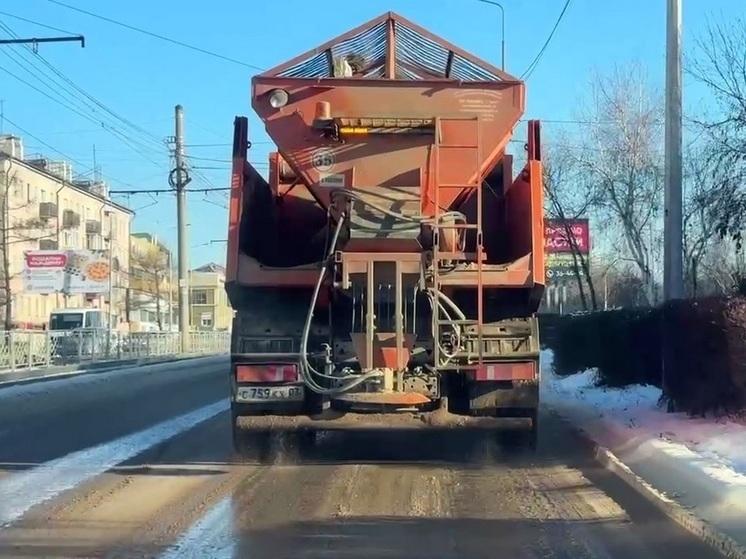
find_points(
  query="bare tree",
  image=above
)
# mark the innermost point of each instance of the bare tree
(622, 158)
(566, 200)
(722, 269)
(720, 65)
(150, 280)
(14, 230)
(703, 179)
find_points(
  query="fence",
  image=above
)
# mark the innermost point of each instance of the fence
(21, 349)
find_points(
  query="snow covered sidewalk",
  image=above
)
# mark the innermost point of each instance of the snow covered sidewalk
(699, 464)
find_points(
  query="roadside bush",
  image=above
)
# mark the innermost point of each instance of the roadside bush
(622, 344)
(694, 350)
(574, 343)
(705, 356)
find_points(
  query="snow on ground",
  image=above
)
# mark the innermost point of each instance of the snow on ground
(698, 463)
(636, 408)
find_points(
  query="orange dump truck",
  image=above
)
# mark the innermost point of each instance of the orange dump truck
(391, 266)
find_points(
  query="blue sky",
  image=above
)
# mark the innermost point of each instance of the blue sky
(141, 78)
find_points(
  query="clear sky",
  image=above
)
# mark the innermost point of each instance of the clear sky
(140, 78)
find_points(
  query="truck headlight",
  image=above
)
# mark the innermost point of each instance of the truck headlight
(278, 98)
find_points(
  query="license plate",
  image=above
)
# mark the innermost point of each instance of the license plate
(269, 393)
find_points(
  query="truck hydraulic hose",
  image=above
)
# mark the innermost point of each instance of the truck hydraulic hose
(307, 371)
(436, 298)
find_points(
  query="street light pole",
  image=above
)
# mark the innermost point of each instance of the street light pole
(502, 29)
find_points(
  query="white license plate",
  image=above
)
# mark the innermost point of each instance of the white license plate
(269, 394)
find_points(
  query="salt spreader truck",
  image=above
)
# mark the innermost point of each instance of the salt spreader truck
(392, 265)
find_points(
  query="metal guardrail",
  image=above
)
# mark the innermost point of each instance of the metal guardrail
(26, 349)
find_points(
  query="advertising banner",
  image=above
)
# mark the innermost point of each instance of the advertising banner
(556, 239)
(66, 271)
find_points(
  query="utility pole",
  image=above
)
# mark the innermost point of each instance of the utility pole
(179, 178)
(673, 260)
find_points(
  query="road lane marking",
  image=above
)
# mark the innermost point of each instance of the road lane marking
(22, 491)
(211, 536)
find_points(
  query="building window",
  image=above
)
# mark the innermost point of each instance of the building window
(93, 242)
(206, 320)
(199, 297)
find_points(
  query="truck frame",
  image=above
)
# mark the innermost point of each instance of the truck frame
(389, 270)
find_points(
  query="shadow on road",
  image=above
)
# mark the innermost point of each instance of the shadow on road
(377, 537)
(208, 449)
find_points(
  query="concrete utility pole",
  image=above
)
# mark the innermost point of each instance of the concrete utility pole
(179, 179)
(673, 258)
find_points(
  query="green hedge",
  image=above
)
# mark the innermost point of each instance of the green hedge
(694, 350)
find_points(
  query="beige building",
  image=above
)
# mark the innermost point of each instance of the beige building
(44, 207)
(152, 300)
(209, 307)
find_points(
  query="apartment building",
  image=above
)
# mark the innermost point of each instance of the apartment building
(209, 306)
(152, 300)
(45, 207)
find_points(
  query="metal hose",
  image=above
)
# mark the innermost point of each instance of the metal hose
(436, 298)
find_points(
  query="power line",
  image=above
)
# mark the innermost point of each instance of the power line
(37, 23)
(533, 64)
(67, 80)
(59, 85)
(122, 137)
(54, 149)
(155, 35)
(170, 190)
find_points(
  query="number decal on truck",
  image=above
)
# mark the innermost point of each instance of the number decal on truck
(323, 160)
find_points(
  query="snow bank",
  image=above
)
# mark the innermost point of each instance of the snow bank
(699, 463)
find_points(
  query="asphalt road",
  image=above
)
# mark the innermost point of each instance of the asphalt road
(139, 463)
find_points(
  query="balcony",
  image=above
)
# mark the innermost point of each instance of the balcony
(48, 210)
(93, 227)
(70, 220)
(48, 244)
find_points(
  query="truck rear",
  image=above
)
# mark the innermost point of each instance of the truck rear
(388, 271)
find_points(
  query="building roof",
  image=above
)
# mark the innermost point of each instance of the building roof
(211, 268)
(152, 240)
(70, 185)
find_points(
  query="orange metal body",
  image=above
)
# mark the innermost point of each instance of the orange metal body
(407, 172)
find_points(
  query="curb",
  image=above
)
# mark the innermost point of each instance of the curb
(676, 512)
(128, 364)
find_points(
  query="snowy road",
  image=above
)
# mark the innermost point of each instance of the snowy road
(139, 464)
